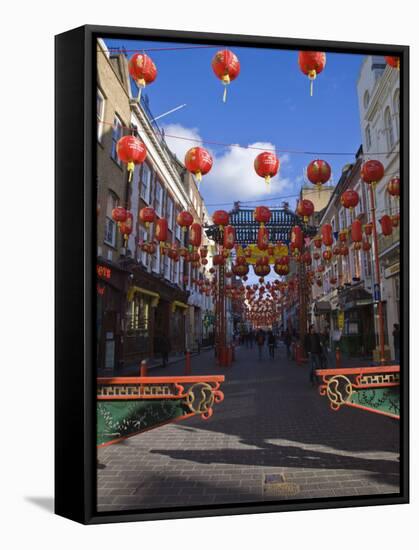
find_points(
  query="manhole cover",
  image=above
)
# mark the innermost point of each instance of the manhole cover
(275, 485)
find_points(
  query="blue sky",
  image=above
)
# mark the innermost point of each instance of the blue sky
(268, 104)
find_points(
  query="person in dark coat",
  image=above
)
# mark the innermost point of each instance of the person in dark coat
(271, 344)
(287, 338)
(260, 341)
(313, 349)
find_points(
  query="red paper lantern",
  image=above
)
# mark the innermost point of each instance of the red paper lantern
(296, 238)
(266, 165)
(132, 151)
(333, 280)
(226, 67)
(241, 260)
(203, 251)
(327, 255)
(393, 61)
(366, 246)
(307, 258)
(368, 228)
(316, 255)
(305, 208)
(349, 199)
(317, 242)
(195, 234)
(327, 234)
(386, 225)
(318, 172)
(198, 161)
(229, 237)
(336, 251)
(184, 219)
(393, 187)
(261, 270)
(173, 254)
(356, 231)
(147, 215)
(321, 268)
(263, 260)
(119, 214)
(343, 235)
(262, 214)
(220, 218)
(311, 64)
(344, 250)
(372, 171)
(263, 238)
(126, 227)
(161, 231)
(142, 69)
(218, 259)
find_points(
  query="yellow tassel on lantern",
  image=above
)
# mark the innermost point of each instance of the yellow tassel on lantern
(130, 168)
(226, 82)
(312, 76)
(141, 84)
(268, 180)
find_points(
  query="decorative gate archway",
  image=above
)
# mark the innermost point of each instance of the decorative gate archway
(246, 228)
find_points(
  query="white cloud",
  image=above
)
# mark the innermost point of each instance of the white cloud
(185, 139)
(233, 176)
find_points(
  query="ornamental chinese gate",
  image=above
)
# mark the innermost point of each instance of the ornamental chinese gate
(246, 228)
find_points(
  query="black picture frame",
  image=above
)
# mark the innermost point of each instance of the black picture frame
(75, 211)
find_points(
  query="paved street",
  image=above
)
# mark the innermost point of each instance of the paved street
(273, 437)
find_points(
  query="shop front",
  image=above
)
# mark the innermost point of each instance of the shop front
(111, 288)
(358, 334)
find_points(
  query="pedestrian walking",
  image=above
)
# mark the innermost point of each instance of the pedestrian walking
(396, 342)
(313, 349)
(287, 338)
(324, 356)
(260, 341)
(271, 344)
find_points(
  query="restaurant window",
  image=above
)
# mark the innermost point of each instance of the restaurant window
(116, 136)
(110, 225)
(145, 182)
(100, 110)
(138, 315)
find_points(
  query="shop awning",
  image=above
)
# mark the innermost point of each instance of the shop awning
(137, 289)
(355, 297)
(322, 307)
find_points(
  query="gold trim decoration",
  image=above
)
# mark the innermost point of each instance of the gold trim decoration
(200, 399)
(339, 390)
(132, 291)
(178, 304)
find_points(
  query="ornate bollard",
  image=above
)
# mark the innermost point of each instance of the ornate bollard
(143, 367)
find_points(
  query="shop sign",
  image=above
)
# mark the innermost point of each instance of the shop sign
(103, 272)
(341, 320)
(392, 270)
(377, 293)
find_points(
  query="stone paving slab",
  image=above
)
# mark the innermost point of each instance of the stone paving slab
(273, 438)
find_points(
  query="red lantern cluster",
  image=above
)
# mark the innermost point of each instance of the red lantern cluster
(184, 219)
(119, 214)
(266, 165)
(393, 187)
(131, 151)
(220, 218)
(262, 214)
(305, 209)
(226, 67)
(349, 199)
(198, 161)
(195, 235)
(327, 234)
(372, 171)
(147, 215)
(319, 172)
(386, 225)
(142, 69)
(312, 64)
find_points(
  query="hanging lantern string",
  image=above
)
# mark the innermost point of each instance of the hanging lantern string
(122, 50)
(251, 147)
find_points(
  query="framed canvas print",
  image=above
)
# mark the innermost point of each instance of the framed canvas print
(231, 274)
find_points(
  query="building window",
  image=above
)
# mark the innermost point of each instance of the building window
(396, 110)
(110, 225)
(366, 99)
(146, 174)
(167, 266)
(158, 201)
(144, 257)
(389, 128)
(155, 261)
(138, 315)
(169, 213)
(178, 230)
(100, 110)
(176, 273)
(116, 136)
(368, 138)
